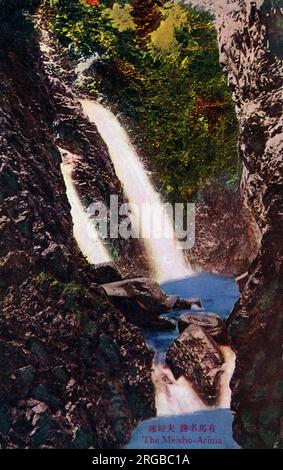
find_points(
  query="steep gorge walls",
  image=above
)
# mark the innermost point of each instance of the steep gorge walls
(73, 372)
(171, 95)
(249, 54)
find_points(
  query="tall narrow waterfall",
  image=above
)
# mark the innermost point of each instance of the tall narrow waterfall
(164, 255)
(85, 232)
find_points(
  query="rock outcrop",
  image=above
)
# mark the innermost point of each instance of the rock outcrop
(250, 53)
(73, 372)
(227, 239)
(195, 355)
(142, 301)
(209, 322)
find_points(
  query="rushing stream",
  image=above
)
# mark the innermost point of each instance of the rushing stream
(183, 419)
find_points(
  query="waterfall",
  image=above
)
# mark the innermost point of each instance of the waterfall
(84, 230)
(164, 255)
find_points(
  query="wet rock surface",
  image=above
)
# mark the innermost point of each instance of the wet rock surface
(174, 302)
(195, 355)
(189, 304)
(164, 324)
(209, 322)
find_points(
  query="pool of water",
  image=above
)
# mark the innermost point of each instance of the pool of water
(211, 428)
(218, 295)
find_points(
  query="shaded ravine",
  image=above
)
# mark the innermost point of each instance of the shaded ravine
(183, 419)
(177, 402)
(249, 38)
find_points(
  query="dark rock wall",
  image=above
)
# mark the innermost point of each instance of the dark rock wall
(226, 239)
(73, 372)
(9, 7)
(254, 67)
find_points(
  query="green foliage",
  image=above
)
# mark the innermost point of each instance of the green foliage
(121, 17)
(164, 36)
(82, 27)
(169, 86)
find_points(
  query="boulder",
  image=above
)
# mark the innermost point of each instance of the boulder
(209, 322)
(141, 300)
(195, 355)
(104, 273)
(172, 301)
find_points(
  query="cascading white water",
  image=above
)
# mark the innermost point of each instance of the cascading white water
(165, 257)
(84, 230)
(176, 397)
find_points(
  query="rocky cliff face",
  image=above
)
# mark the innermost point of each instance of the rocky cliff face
(226, 239)
(249, 52)
(74, 373)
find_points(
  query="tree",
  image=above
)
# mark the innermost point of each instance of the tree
(146, 16)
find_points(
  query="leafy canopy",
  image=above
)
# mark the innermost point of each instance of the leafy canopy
(159, 64)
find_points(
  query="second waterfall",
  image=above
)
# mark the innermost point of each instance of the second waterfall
(163, 252)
